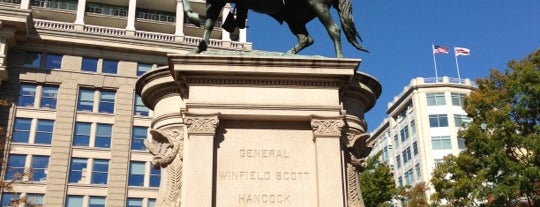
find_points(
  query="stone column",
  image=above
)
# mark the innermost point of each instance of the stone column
(243, 36)
(81, 9)
(199, 155)
(225, 36)
(131, 15)
(57, 171)
(327, 133)
(25, 4)
(179, 31)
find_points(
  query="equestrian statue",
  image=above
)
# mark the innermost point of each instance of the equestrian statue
(296, 13)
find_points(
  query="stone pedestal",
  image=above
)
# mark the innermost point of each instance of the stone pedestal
(258, 131)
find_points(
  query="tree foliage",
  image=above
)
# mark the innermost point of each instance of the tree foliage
(414, 196)
(501, 164)
(377, 183)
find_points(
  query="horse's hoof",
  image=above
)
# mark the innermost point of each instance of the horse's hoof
(202, 47)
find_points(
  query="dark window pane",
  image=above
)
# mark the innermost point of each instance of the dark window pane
(138, 137)
(155, 177)
(136, 173)
(39, 167)
(53, 61)
(82, 134)
(27, 95)
(96, 201)
(134, 202)
(106, 102)
(21, 132)
(110, 66)
(89, 64)
(15, 166)
(49, 97)
(140, 108)
(76, 169)
(151, 202)
(44, 131)
(8, 197)
(86, 100)
(100, 172)
(103, 136)
(143, 68)
(32, 59)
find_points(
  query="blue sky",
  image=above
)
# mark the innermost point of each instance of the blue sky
(399, 35)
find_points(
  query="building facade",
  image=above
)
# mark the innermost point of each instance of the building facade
(76, 124)
(422, 127)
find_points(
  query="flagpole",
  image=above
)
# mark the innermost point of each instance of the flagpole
(457, 66)
(434, 62)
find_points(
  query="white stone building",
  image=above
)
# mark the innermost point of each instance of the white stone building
(421, 128)
(70, 68)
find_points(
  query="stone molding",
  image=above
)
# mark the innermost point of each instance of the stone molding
(156, 85)
(327, 127)
(202, 124)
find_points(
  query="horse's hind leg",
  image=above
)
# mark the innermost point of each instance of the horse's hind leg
(212, 13)
(322, 11)
(304, 40)
(192, 16)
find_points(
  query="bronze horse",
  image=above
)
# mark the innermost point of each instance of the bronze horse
(296, 13)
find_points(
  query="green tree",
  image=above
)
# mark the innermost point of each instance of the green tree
(501, 164)
(414, 196)
(377, 183)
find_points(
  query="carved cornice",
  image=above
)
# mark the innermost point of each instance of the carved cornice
(171, 118)
(156, 85)
(202, 124)
(327, 127)
(266, 81)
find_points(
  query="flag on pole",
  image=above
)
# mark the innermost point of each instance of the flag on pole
(462, 51)
(439, 49)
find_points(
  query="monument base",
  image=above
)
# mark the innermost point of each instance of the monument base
(258, 131)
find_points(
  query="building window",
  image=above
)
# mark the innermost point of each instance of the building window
(49, 96)
(398, 161)
(100, 171)
(143, 68)
(400, 181)
(155, 177)
(32, 59)
(89, 64)
(415, 148)
(9, 199)
(396, 140)
(385, 153)
(27, 95)
(413, 127)
(35, 199)
(438, 120)
(103, 136)
(44, 131)
(110, 66)
(82, 134)
(39, 167)
(136, 173)
(53, 61)
(86, 100)
(96, 201)
(140, 108)
(461, 120)
(458, 99)
(151, 202)
(74, 201)
(407, 156)
(461, 143)
(21, 130)
(106, 9)
(137, 138)
(409, 177)
(77, 169)
(15, 166)
(418, 172)
(134, 202)
(441, 142)
(404, 133)
(106, 102)
(435, 99)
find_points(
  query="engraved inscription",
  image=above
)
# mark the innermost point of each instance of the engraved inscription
(262, 175)
(264, 198)
(263, 153)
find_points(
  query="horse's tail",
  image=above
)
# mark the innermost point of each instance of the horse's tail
(344, 8)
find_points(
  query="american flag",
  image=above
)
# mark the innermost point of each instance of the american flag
(462, 51)
(439, 49)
